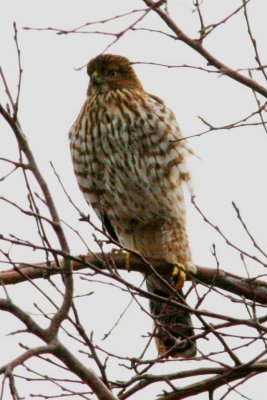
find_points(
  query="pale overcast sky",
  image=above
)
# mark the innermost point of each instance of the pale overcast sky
(230, 165)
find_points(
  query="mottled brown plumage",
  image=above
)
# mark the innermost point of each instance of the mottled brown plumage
(130, 166)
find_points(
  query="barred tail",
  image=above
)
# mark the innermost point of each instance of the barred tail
(173, 325)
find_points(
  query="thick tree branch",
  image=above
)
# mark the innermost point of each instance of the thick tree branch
(54, 346)
(215, 382)
(199, 387)
(255, 290)
(85, 374)
(24, 357)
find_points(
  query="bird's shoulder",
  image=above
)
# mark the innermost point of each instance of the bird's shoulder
(163, 113)
(156, 99)
(163, 116)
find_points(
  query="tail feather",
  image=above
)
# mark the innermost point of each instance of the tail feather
(173, 324)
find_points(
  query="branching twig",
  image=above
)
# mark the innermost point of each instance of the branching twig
(199, 48)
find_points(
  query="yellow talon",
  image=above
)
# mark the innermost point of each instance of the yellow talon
(178, 276)
(127, 257)
(128, 261)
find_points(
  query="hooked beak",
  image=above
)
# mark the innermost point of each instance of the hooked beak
(96, 79)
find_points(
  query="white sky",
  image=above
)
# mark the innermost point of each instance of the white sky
(231, 165)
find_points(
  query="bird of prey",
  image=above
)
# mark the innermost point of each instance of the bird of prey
(129, 158)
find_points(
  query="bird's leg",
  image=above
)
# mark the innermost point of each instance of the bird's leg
(132, 245)
(127, 255)
(128, 261)
(178, 276)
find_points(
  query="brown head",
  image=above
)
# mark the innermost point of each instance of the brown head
(111, 72)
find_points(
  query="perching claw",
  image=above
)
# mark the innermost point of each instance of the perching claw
(178, 276)
(127, 255)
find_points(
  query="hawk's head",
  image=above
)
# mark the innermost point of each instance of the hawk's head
(110, 72)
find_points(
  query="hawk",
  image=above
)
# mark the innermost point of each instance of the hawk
(130, 163)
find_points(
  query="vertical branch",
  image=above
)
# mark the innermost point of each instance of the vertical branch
(16, 103)
(253, 41)
(201, 19)
(66, 267)
(258, 60)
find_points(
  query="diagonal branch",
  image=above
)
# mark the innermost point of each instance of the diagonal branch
(55, 347)
(199, 387)
(32, 166)
(198, 46)
(25, 357)
(215, 382)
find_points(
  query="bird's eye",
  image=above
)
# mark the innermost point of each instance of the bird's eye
(112, 73)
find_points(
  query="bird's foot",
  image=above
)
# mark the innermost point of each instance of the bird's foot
(127, 255)
(127, 261)
(178, 276)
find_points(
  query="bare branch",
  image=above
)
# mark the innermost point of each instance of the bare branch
(199, 48)
(66, 268)
(222, 279)
(209, 28)
(213, 383)
(20, 71)
(24, 357)
(59, 350)
(253, 40)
